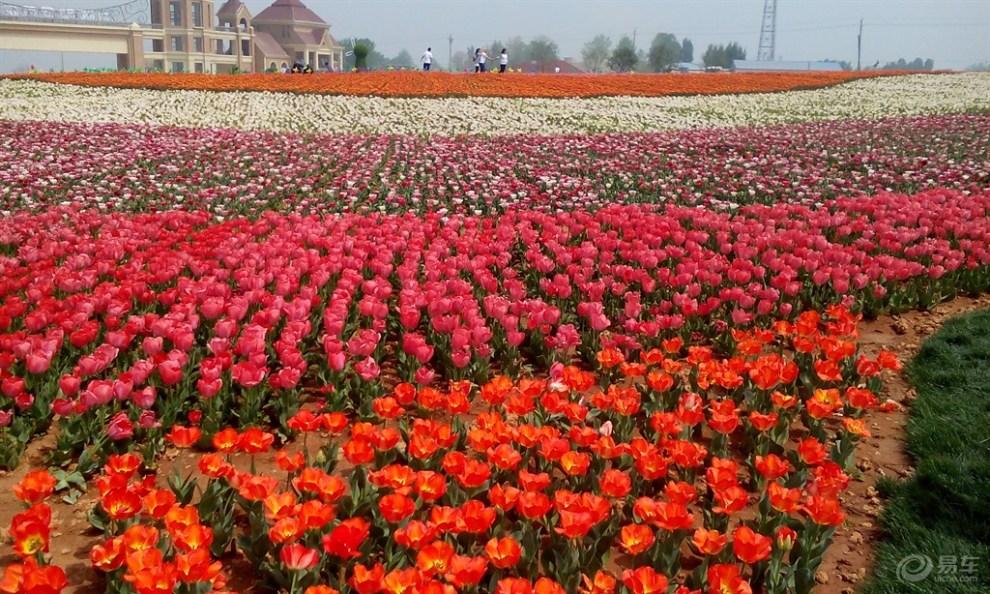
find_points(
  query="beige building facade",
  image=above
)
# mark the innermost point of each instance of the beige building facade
(191, 36)
(194, 39)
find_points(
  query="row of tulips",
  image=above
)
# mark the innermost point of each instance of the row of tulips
(228, 172)
(120, 324)
(438, 84)
(31, 530)
(576, 483)
(869, 99)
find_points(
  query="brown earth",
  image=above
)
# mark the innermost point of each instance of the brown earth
(847, 563)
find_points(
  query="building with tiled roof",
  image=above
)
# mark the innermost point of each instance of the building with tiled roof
(193, 39)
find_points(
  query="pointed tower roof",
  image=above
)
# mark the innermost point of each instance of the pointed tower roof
(230, 7)
(288, 10)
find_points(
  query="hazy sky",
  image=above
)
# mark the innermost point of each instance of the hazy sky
(954, 33)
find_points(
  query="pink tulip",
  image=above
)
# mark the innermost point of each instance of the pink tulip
(120, 427)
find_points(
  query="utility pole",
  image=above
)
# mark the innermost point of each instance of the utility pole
(450, 53)
(634, 39)
(859, 45)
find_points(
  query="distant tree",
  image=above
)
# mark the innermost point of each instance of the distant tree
(715, 56)
(459, 61)
(916, 64)
(517, 48)
(734, 51)
(687, 51)
(543, 50)
(979, 67)
(624, 56)
(402, 60)
(664, 51)
(596, 52)
(723, 55)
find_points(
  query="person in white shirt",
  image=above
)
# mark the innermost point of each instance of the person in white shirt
(503, 60)
(427, 59)
(482, 57)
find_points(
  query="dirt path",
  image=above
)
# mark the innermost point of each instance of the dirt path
(847, 563)
(850, 559)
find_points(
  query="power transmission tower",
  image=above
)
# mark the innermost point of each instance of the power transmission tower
(768, 32)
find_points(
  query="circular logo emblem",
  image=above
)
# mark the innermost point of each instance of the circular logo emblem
(914, 568)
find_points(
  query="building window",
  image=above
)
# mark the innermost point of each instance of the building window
(199, 67)
(178, 67)
(243, 24)
(245, 47)
(198, 44)
(286, 31)
(175, 43)
(197, 14)
(175, 14)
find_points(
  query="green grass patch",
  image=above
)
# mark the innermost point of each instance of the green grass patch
(942, 512)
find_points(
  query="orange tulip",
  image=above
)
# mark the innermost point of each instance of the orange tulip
(402, 581)
(725, 579)
(140, 537)
(709, 542)
(193, 537)
(158, 502)
(184, 437)
(783, 499)
(367, 581)
(395, 507)
(503, 552)
(298, 557)
(435, 558)
(636, 538)
(121, 504)
(255, 441)
(824, 511)
(575, 463)
(644, 580)
(411, 84)
(602, 583)
(30, 530)
(108, 556)
(290, 462)
(344, 540)
(466, 571)
(225, 441)
(35, 487)
(749, 546)
(772, 467)
(615, 483)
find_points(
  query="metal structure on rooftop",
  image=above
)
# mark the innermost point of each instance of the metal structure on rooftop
(136, 11)
(768, 32)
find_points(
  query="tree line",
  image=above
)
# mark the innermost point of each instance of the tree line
(540, 52)
(664, 53)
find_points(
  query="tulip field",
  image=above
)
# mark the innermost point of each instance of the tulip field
(371, 351)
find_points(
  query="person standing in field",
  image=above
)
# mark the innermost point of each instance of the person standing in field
(477, 54)
(503, 61)
(482, 58)
(427, 59)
